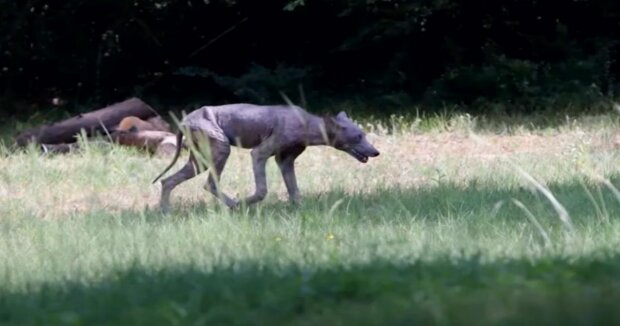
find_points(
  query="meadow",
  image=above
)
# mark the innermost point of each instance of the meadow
(460, 221)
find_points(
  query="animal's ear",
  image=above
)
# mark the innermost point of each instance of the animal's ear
(332, 128)
(331, 125)
(342, 116)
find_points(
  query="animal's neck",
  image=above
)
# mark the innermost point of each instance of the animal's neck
(316, 132)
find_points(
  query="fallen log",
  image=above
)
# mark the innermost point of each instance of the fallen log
(132, 123)
(167, 147)
(150, 140)
(92, 122)
(159, 123)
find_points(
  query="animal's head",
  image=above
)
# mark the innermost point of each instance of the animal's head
(346, 136)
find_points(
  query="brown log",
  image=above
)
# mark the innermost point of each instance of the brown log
(159, 123)
(132, 123)
(167, 147)
(149, 139)
(92, 122)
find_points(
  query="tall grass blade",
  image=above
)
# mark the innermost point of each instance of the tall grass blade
(543, 234)
(559, 208)
(599, 212)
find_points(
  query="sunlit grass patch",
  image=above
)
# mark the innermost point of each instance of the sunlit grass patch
(438, 229)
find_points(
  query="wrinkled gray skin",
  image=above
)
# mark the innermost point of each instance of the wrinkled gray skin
(280, 131)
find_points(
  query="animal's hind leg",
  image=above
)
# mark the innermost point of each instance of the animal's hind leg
(187, 172)
(259, 159)
(219, 153)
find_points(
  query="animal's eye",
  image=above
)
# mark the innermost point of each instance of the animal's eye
(358, 138)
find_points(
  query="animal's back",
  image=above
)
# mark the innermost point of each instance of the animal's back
(254, 113)
(248, 125)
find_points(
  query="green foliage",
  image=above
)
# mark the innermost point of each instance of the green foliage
(294, 4)
(523, 83)
(259, 85)
(524, 54)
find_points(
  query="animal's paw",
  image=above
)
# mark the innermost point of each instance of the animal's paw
(233, 204)
(295, 201)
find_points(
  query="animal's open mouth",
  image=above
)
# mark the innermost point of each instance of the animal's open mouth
(359, 156)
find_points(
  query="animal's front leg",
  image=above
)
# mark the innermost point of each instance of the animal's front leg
(290, 180)
(286, 163)
(260, 179)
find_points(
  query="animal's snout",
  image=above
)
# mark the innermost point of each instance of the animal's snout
(371, 151)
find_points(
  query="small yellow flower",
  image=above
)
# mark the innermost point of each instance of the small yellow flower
(330, 236)
(278, 239)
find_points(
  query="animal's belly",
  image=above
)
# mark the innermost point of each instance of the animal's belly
(245, 141)
(244, 133)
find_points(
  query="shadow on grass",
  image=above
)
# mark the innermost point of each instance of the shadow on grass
(463, 291)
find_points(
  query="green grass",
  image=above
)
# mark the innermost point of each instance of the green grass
(421, 235)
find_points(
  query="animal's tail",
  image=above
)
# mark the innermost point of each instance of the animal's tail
(176, 154)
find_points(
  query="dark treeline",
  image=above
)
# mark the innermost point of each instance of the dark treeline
(524, 54)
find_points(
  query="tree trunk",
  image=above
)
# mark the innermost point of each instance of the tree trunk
(92, 122)
(148, 139)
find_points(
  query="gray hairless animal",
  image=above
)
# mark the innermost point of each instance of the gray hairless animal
(280, 131)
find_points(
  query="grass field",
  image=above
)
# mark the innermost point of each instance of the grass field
(516, 225)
